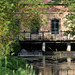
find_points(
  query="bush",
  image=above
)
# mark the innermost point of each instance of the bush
(6, 71)
(15, 66)
(16, 48)
(14, 63)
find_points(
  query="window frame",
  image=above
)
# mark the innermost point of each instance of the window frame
(55, 29)
(35, 30)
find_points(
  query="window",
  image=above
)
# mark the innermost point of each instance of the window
(35, 27)
(55, 26)
(35, 31)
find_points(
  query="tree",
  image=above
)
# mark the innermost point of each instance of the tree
(30, 10)
(8, 25)
(70, 22)
(13, 12)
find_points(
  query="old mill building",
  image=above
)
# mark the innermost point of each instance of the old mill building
(55, 27)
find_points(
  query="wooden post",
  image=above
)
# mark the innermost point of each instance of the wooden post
(42, 35)
(55, 35)
(30, 35)
(24, 34)
(68, 37)
(68, 46)
(43, 46)
(61, 35)
(44, 64)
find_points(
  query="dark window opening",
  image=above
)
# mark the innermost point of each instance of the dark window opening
(35, 31)
(35, 27)
(55, 26)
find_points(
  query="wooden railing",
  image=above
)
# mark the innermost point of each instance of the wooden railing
(46, 35)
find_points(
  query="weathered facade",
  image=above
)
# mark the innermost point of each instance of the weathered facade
(55, 27)
(56, 16)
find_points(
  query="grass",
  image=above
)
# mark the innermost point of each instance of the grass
(15, 66)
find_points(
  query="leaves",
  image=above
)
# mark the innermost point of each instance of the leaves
(8, 25)
(70, 22)
(17, 13)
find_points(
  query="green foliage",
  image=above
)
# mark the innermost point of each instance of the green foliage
(35, 23)
(6, 71)
(16, 48)
(15, 66)
(70, 22)
(13, 14)
(8, 25)
(67, 32)
(30, 12)
(51, 37)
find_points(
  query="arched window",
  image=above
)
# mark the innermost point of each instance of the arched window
(55, 26)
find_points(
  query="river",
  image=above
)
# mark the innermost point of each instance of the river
(61, 63)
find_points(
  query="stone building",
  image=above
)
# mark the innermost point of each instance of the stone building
(55, 27)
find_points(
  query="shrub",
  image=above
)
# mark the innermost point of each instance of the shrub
(15, 66)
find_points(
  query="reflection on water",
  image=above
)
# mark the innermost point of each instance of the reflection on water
(53, 65)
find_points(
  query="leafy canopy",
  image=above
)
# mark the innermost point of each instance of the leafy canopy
(14, 13)
(70, 22)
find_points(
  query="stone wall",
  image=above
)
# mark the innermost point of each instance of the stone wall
(55, 12)
(54, 15)
(58, 12)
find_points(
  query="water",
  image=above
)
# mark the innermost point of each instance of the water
(61, 63)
